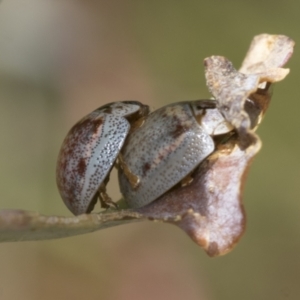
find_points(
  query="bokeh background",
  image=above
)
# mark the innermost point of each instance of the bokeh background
(59, 60)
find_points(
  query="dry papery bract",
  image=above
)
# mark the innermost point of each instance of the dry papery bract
(209, 209)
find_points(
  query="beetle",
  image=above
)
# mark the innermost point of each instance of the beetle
(172, 142)
(89, 152)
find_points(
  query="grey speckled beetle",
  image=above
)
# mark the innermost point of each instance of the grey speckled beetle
(89, 152)
(172, 142)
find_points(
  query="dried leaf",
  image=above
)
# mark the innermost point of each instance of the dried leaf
(267, 52)
(232, 88)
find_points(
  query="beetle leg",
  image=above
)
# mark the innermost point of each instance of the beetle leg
(187, 180)
(133, 179)
(223, 138)
(103, 203)
(105, 200)
(138, 123)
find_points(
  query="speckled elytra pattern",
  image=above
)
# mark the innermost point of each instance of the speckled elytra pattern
(168, 146)
(89, 152)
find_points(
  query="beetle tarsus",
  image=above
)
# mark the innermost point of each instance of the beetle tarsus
(187, 180)
(133, 179)
(106, 202)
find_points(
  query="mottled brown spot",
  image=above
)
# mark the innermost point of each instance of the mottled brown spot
(96, 124)
(146, 168)
(79, 125)
(178, 131)
(81, 167)
(71, 194)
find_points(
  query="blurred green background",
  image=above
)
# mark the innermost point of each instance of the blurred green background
(59, 60)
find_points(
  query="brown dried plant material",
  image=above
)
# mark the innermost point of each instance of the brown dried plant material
(209, 208)
(232, 88)
(267, 52)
